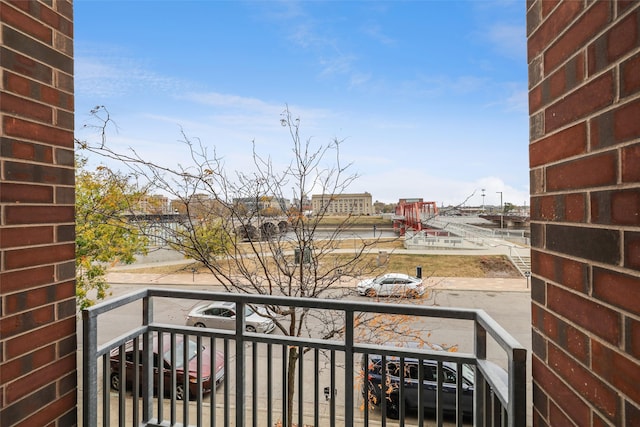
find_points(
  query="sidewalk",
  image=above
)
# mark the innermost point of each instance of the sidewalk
(440, 283)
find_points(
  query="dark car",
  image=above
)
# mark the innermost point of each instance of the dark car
(192, 376)
(375, 384)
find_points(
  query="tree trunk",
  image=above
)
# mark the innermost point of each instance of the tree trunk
(291, 383)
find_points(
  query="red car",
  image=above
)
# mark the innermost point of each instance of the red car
(205, 356)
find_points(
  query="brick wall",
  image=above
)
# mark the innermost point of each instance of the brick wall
(584, 101)
(37, 270)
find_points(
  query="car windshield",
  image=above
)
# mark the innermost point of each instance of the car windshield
(247, 311)
(192, 351)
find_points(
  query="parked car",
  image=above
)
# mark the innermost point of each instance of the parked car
(392, 284)
(222, 315)
(192, 376)
(378, 388)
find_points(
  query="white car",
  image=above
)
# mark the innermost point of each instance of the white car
(392, 284)
(222, 315)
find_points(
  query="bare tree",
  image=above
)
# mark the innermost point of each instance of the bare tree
(222, 225)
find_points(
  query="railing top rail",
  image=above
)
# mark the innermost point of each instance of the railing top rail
(502, 337)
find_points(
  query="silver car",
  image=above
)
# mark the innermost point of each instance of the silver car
(222, 315)
(392, 284)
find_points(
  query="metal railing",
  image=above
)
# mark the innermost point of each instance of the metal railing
(330, 384)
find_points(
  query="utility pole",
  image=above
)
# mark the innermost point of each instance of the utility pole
(501, 211)
(483, 200)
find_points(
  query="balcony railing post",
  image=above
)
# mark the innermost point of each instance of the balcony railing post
(348, 366)
(479, 397)
(147, 356)
(240, 368)
(89, 369)
(517, 387)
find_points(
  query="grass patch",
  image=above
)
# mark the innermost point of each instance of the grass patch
(487, 266)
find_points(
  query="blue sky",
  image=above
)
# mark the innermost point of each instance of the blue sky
(430, 97)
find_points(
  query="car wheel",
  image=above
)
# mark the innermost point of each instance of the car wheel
(370, 292)
(180, 392)
(412, 293)
(250, 328)
(115, 381)
(199, 325)
(393, 409)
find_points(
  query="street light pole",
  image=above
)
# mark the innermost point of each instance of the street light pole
(501, 211)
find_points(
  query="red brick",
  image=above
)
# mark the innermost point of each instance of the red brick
(547, 209)
(23, 150)
(547, 6)
(17, 84)
(39, 378)
(535, 98)
(630, 159)
(58, 408)
(537, 316)
(25, 236)
(40, 337)
(15, 215)
(632, 413)
(564, 79)
(585, 101)
(633, 337)
(617, 369)
(34, 403)
(553, 25)
(541, 401)
(616, 207)
(596, 244)
(586, 172)
(30, 299)
(575, 207)
(625, 207)
(65, 290)
(550, 325)
(31, 257)
(630, 76)
(576, 343)
(632, 250)
(30, 172)
(13, 281)
(16, 368)
(28, 130)
(623, 37)
(544, 265)
(56, 97)
(562, 145)
(566, 398)
(626, 122)
(586, 313)
(574, 274)
(57, 21)
(27, 321)
(587, 385)
(618, 289)
(590, 23)
(27, 108)
(26, 23)
(559, 418)
(624, 4)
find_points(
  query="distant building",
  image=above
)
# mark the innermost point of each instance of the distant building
(153, 204)
(343, 204)
(266, 205)
(198, 206)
